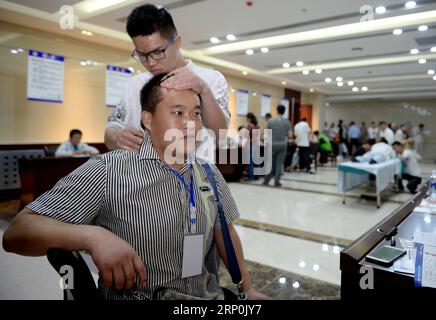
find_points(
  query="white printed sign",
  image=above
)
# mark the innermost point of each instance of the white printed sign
(45, 77)
(265, 104)
(242, 102)
(117, 80)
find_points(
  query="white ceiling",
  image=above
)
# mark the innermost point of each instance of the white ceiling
(198, 20)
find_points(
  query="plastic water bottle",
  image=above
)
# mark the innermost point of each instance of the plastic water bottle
(432, 187)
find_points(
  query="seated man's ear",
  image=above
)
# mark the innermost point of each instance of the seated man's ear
(146, 119)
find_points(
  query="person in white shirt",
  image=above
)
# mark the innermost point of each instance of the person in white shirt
(373, 131)
(157, 48)
(386, 132)
(302, 131)
(411, 171)
(402, 134)
(73, 146)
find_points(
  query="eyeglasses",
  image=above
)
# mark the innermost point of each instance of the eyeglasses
(157, 54)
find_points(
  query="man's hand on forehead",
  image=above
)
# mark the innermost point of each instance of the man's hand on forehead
(183, 79)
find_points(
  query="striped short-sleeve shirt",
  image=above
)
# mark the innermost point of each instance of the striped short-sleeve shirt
(139, 199)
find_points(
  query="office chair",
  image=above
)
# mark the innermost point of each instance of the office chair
(84, 287)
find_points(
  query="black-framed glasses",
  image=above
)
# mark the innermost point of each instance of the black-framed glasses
(157, 54)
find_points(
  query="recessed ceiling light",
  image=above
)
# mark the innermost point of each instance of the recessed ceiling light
(244, 73)
(305, 72)
(284, 83)
(83, 63)
(318, 71)
(355, 89)
(254, 94)
(315, 267)
(364, 88)
(422, 61)
(434, 77)
(430, 72)
(96, 64)
(282, 280)
(214, 40)
(422, 28)
(20, 50)
(340, 84)
(286, 65)
(296, 284)
(350, 83)
(312, 90)
(397, 32)
(414, 51)
(249, 52)
(433, 49)
(231, 37)
(14, 51)
(300, 63)
(410, 4)
(264, 50)
(87, 33)
(339, 79)
(328, 80)
(302, 264)
(380, 10)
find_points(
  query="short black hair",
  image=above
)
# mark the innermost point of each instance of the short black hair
(268, 115)
(316, 132)
(148, 19)
(370, 141)
(75, 131)
(384, 140)
(303, 119)
(151, 95)
(281, 109)
(397, 143)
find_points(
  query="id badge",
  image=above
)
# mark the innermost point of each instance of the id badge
(192, 255)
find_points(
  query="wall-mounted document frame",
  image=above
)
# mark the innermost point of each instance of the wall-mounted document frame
(45, 77)
(241, 102)
(117, 80)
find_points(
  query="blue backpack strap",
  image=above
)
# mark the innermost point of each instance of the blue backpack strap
(235, 272)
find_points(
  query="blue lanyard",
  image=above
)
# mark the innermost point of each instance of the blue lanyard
(190, 189)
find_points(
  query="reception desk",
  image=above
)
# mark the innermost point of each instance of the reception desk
(363, 279)
(39, 175)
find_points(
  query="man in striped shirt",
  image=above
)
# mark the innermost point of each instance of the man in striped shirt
(131, 211)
